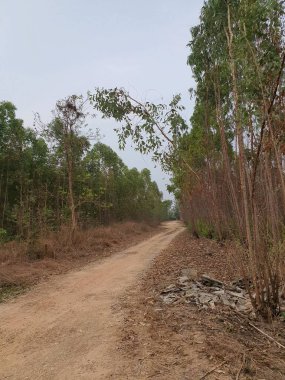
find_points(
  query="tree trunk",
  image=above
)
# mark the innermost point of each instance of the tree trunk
(239, 133)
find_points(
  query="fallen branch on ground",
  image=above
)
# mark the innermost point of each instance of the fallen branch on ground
(213, 369)
(241, 367)
(265, 334)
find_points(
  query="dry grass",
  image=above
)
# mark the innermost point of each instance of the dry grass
(90, 241)
(180, 341)
(25, 263)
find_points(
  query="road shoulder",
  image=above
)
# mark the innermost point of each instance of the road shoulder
(180, 341)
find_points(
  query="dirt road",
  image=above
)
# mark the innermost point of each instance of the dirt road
(68, 327)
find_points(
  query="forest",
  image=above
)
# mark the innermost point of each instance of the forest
(228, 164)
(101, 276)
(56, 177)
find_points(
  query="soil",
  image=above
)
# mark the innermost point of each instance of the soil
(108, 321)
(18, 273)
(69, 326)
(179, 341)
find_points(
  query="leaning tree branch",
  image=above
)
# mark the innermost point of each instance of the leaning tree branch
(149, 115)
(162, 132)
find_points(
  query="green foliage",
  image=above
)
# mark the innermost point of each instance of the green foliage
(236, 141)
(34, 178)
(203, 229)
(10, 291)
(3, 235)
(174, 213)
(149, 125)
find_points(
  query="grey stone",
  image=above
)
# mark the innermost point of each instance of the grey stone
(244, 307)
(237, 295)
(169, 298)
(204, 297)
(183, 279)
(170, 289)
(206, 293)
(191, 293)
(219, 292)
(226, 301)
(195, 287)
(209, 281)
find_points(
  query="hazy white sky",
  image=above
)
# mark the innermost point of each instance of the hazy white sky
(54, 48)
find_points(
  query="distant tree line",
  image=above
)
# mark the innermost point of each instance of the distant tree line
(56, 177)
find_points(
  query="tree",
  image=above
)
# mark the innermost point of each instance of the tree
(106, 172)
(236, 56)
(12, 136)
(228, 168)
(64, 132)
(50, 179)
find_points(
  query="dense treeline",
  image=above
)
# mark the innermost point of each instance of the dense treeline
(236, 143)
(228, 167)
(57, 178)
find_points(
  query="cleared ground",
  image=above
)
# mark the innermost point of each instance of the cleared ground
(69, 327)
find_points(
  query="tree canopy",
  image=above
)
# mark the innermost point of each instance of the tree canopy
(57, 177)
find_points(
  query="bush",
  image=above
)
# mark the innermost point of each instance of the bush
(3, 235)
(203, 229)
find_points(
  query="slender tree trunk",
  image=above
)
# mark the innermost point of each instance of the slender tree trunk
(226, 160)
(71, 194)
(5, 195)
(277, 159)
(69, 166)
(239, 132)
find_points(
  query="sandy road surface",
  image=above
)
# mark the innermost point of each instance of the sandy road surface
(67, 327)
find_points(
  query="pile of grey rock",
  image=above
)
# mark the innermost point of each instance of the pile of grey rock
(207, 292)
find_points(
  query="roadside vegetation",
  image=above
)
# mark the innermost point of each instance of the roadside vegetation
(56, 178)
(63, 198)
(228, 165)
(180, 338)
(55, 253)
(212, 303)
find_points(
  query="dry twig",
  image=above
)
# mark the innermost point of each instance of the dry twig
(268, 336)
(213, 369)
(241, 367)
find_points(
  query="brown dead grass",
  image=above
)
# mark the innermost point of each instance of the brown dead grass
(178, 341)
(23, 263)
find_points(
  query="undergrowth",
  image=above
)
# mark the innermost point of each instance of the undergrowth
(203, 229)
(25, 262)
(10, 291)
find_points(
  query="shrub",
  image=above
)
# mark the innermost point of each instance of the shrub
(3, 235)
(203, 229)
